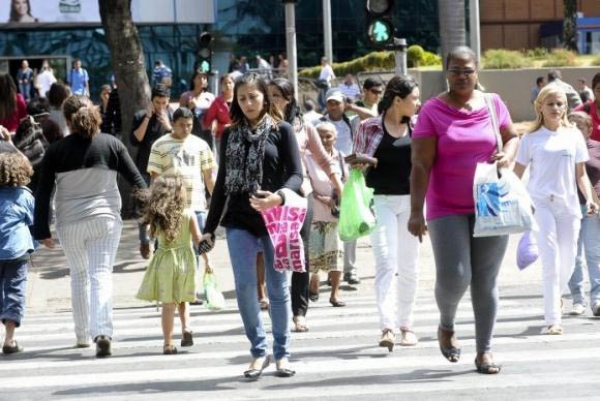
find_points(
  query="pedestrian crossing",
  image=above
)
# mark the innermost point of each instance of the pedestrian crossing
(338, 357)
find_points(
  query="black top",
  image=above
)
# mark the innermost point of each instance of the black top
(281, 169)
(75, 152)
(154, 131)
(392, 174)
(111, 118)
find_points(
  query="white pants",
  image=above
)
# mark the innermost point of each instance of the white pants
(91, 247)
(557, 243)
(396, 254)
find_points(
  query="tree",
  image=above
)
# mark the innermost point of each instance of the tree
(127, 58)
(570, 25)
(453, 32)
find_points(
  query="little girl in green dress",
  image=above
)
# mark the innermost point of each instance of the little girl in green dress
(170, 277)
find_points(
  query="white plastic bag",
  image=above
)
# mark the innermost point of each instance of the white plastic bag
(502, 204)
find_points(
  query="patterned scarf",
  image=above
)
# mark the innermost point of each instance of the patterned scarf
(245, 155)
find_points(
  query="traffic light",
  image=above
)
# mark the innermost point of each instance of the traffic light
(380, 23)
(204, 62)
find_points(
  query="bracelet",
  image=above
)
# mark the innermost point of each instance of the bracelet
(280, 193)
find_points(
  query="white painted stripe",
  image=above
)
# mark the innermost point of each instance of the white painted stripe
(204, 327)
(297, 351)
(368, 366)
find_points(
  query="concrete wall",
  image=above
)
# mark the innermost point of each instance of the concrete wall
(514, 86)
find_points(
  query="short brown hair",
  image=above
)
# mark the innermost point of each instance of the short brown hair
(84, 117)
(15, 170)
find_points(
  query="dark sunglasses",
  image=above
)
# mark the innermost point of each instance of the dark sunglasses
(376, 91)
(457, 71)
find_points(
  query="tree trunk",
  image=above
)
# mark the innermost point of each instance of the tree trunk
(453, 31)
(570, 25)
(127, 57)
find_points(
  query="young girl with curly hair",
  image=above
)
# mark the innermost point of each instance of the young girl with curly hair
(16, 244)
(170, 277)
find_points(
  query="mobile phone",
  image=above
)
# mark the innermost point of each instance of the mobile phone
(259, 196)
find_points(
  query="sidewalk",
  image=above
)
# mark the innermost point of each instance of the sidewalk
(49, 282)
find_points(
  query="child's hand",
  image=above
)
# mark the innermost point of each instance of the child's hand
(207, 243)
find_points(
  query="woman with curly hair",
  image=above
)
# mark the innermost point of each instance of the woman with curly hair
(84, 166)
(170, 277)
(16, 244)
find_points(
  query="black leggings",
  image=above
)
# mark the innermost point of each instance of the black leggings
(300, 281)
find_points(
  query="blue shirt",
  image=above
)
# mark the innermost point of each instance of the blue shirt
(17, 205)
(78, 81)
(159, 73)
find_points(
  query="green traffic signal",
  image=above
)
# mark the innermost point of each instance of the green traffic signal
(380, 31)
(205, 66)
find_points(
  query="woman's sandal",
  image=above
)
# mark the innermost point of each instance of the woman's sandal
(300, 324)
(452, 354)
(487, 368)
(336, 303)
(388, 339)
(169, 349)
(253, 373)
(313, 296)
(187, 340)
(408, 338)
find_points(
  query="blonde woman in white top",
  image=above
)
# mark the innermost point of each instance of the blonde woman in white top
(556, 153)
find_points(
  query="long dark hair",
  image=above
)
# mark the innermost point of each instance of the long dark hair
(194, 75)
(14, 17)
(236, 113)
(8, 96)
(292, 110)
(400, 85)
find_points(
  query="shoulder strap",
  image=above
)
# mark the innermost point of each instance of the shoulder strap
(492, 110)
(587, 107)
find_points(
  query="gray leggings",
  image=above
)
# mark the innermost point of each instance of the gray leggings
(461, 260)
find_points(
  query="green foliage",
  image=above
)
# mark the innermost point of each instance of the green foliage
(430, 59)
(561, 58)
(500, 59)
(539, 53)
(596, 60)
(372, 61)
(415, 55)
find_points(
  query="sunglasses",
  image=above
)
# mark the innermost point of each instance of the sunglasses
(457, 71)
(376, 91)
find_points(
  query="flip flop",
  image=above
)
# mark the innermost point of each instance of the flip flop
(452, 354)
(254, 374)
(284, 371)
(169, 349)
(12, 349)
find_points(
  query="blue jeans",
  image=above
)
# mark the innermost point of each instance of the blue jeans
(243, 247)
(144, 234)
(588, 246)
(13, 284)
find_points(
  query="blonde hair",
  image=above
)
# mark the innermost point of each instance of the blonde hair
(545, 93)
(15, 170)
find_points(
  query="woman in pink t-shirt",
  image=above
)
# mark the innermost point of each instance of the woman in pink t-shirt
(454, 132)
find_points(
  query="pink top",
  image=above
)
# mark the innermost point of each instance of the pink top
(12, 122)
(595, 119)
(463, 140)
(321, 184)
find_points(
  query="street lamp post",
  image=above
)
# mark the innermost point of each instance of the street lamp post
(290, 41)
(327, 36)
(474, 29)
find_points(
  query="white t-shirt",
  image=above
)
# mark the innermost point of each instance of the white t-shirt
(327, 73)
(44, 82)
(344, 137)
(552, 157)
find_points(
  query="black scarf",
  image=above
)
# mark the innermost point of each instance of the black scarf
(245, 155)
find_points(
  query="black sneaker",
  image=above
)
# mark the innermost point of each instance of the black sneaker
(103, 346)
(351, 278)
